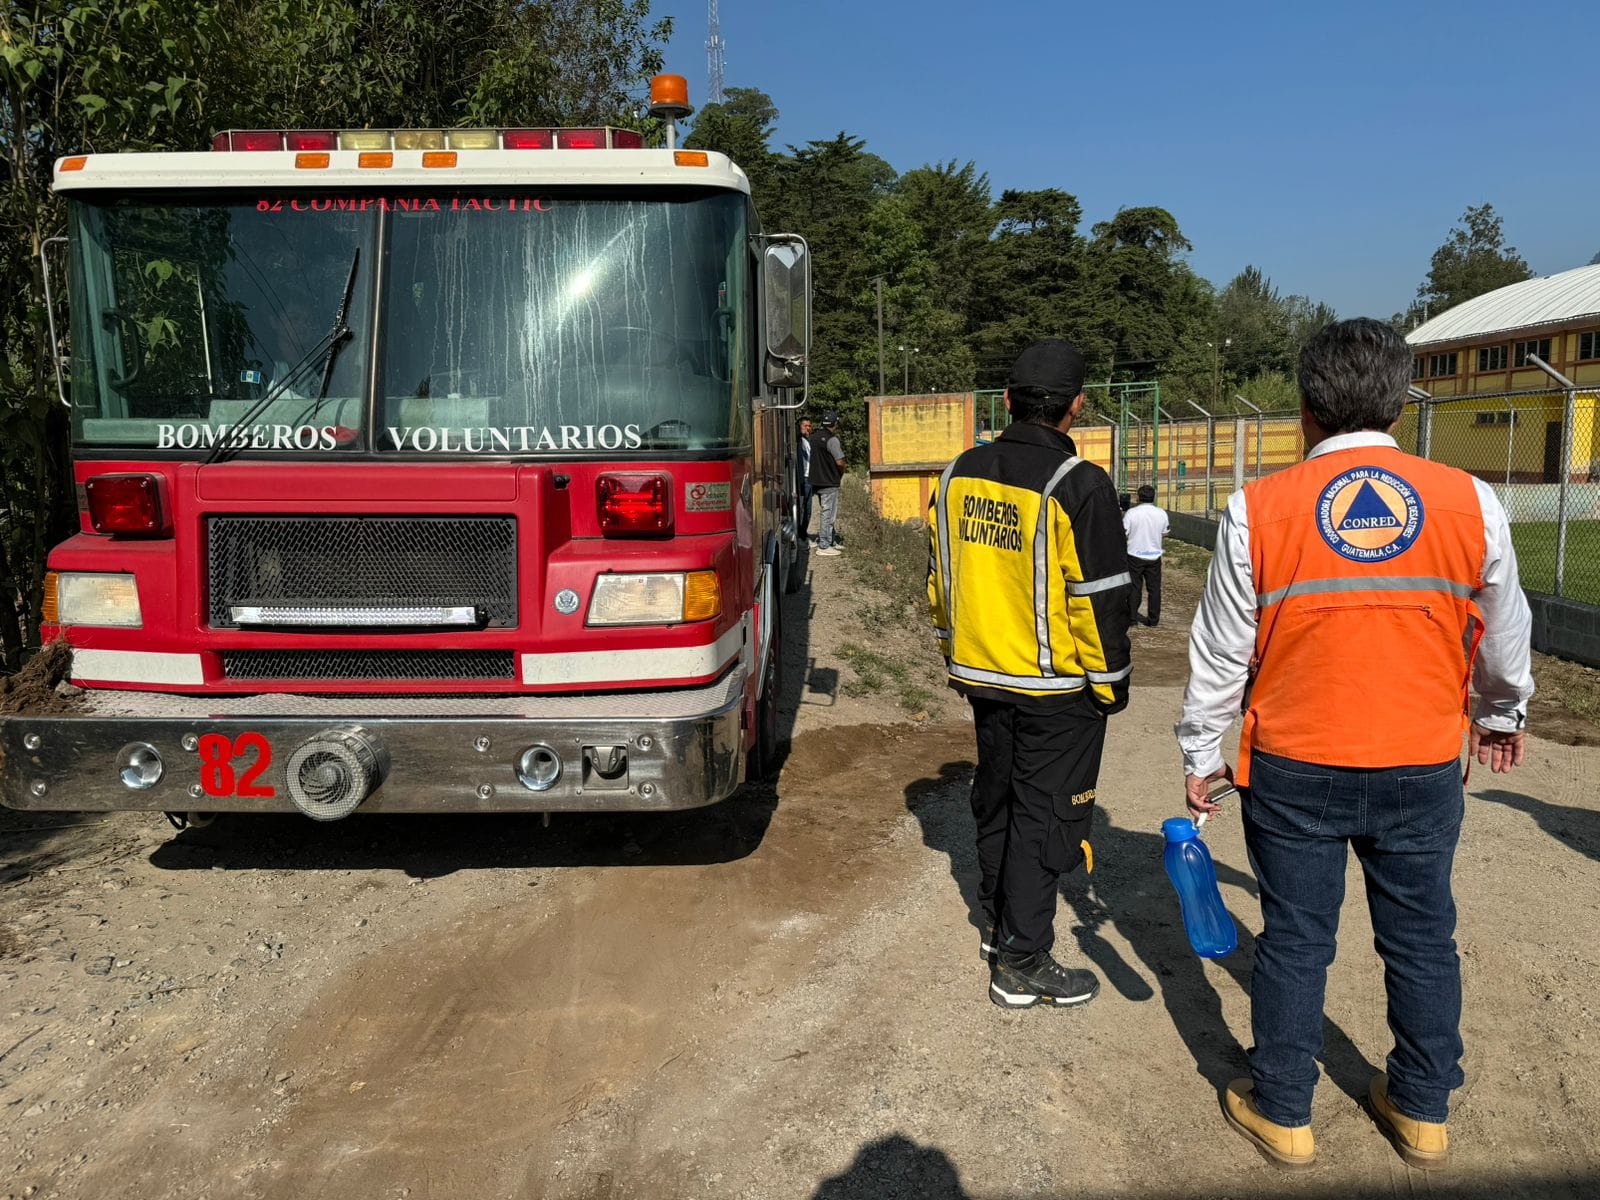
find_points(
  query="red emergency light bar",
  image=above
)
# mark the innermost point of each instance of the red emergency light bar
(604, 137)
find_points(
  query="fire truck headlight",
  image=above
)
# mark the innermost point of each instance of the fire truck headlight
(95, 599)
(657, 599)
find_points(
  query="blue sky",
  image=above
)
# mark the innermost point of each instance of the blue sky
(1332, 145)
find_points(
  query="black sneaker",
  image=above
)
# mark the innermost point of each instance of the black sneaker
(1040, 979)
(987, 946)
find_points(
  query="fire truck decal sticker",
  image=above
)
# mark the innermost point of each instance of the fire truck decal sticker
(704, 496)
(217, 774)
(425, 439)
(253, 437)
(402, 204)
(438, 439)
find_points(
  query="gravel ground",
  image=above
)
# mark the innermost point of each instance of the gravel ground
(779, 996)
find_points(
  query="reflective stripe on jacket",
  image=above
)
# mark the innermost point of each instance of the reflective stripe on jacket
(1027, 572)
(1365, 562)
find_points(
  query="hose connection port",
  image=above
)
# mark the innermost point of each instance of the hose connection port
(332, 772)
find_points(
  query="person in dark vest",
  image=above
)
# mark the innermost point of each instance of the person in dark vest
(827, 472)
(1353, 601)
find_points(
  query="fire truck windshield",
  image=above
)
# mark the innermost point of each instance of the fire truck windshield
(568, 322)
(188, 313)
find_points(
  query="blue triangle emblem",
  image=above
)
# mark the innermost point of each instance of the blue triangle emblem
(1367, 511)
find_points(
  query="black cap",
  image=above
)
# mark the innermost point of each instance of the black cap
(830, 418)
(1053, 364)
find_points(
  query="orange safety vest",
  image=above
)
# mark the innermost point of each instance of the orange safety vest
(1365, 562)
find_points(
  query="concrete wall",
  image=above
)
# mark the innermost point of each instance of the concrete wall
(1566, 629)
(1197, 531)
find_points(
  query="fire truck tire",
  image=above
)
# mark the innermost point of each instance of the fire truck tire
(764, 757)
(796, 578)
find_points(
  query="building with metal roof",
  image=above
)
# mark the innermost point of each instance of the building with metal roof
(1482, 346)
(1534, 303)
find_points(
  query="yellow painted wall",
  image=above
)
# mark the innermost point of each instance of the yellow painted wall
(934, 430)
(899, 497)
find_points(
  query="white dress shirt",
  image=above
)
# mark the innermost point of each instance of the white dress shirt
(1223, 637)
(1144, 525)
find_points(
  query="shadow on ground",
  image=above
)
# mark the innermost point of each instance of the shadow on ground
(892, 1168)
(431, 846)
(1577, 828)
(1129, 893)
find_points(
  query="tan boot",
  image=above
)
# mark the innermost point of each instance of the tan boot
(1285, 1146)
(1422, 1144)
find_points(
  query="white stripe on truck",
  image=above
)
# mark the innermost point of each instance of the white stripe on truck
(634, 666)
(137, 666)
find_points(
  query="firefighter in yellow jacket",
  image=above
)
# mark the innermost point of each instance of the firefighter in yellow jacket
(1027, 579)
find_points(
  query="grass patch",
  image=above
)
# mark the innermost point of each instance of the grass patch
(877, 672)
(1535, 542)
(1181, 556)
(887, 556)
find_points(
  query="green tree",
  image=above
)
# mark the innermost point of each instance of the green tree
(1474, 259)
(741, 127)
(1031, 282)
(1142, 295)
(827, 190)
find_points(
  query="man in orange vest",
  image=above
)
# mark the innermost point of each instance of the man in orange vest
(1353, 601)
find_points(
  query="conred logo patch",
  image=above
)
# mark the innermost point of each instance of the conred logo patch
(1369, 515)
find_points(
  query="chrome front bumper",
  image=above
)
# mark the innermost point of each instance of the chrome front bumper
(681, 749)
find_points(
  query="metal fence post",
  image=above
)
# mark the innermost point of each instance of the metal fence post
(1259, 419)
(1211, 453)
(1424, 430)
(1238, 453)
(1511, 438)
(1568, 415)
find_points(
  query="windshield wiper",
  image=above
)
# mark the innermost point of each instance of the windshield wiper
(326, 348)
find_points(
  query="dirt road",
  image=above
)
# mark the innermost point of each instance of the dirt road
(777, 997)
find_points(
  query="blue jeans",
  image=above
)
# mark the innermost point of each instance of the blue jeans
(828, 500)
(1403, 823)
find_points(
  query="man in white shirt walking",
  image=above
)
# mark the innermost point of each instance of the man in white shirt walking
(1145, 524)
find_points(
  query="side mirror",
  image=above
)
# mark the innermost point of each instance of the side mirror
(786, 268)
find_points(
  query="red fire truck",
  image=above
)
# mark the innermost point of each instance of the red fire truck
(421, 470)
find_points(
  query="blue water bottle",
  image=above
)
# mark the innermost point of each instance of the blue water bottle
(1205, 918)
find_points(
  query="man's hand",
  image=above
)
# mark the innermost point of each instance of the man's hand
(1196, 787)
(1496, 750)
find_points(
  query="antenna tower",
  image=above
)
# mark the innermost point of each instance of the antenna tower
(715, 63)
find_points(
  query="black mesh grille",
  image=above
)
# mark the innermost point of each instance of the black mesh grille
(369, 664)
(445, 561)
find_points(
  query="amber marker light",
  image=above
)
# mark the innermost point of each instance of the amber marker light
(691, 158)
(74, 164)
(312, 161)
(376, 158)
(702, 596)
(438, 158)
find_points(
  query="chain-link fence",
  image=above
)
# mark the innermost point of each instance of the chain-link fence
(1540, 452)
(1516, 442)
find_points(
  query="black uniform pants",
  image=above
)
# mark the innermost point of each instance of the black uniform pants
(1033, 797)
(1146, 571)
